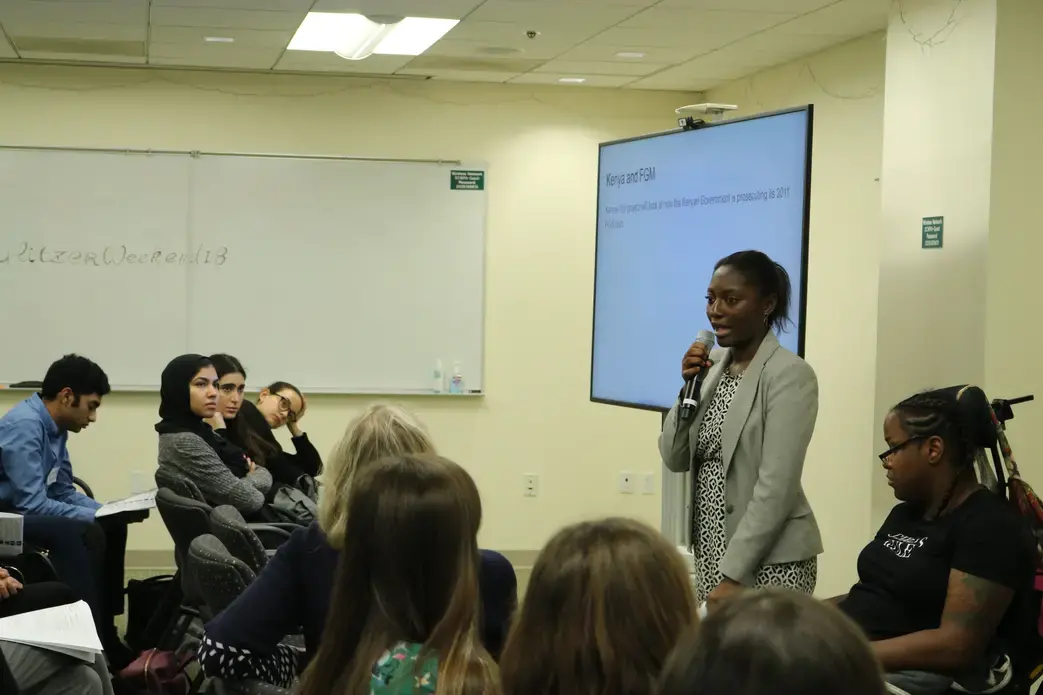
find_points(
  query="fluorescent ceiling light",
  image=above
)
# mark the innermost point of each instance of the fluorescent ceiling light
(219, 39)
(630, 54)
(572, 80)
(354, 36)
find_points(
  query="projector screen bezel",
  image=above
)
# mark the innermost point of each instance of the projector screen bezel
(805, 228)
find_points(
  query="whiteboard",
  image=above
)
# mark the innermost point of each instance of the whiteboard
(339, 275)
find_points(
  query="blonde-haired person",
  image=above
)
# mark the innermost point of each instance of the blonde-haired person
(292, 593)
(606, 604)
(381, 430)
(404, 614)
(774, 641)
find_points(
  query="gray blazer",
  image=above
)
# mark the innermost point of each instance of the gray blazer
(763, 442)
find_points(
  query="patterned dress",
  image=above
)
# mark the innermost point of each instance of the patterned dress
(709, 515)
(397, 672)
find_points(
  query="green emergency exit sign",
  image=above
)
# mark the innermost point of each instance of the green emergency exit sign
(933, 229)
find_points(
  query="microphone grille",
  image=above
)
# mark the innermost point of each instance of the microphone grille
(706, 337)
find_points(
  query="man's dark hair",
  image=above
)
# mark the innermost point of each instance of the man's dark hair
(76, 373)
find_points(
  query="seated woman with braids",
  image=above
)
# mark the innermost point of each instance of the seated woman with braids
(935, 585)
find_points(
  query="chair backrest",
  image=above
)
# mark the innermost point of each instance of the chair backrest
(186, 519)
(178, 483)
(213, 574)
(976, 417)
(231, 529)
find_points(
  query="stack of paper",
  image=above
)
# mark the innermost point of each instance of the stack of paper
(10, 535)
(134, 503)
(67, 630)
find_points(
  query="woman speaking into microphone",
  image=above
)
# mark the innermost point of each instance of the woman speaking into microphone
(745, 442)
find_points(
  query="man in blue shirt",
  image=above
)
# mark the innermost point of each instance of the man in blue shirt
(36, 482)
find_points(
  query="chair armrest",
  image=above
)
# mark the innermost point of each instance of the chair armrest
(270, 535)
(83, 486)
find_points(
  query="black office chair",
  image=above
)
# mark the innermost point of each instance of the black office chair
(242, 539)
(213, 576)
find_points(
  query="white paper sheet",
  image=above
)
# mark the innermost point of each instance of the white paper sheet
(64, 629)
(134, 503)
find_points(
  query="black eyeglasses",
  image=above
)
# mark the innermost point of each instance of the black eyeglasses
(898, 447)
(287, 407)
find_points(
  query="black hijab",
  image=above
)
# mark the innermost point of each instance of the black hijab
(175, 411)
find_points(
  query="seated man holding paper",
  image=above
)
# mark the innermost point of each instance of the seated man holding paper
(36, 482)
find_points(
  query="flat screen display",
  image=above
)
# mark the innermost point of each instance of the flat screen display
(669, 207)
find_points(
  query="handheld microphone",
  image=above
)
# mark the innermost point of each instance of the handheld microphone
(690, 397)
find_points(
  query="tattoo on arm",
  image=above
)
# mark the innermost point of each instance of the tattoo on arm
(975, 605)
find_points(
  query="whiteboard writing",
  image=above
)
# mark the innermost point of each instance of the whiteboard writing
(112, 255)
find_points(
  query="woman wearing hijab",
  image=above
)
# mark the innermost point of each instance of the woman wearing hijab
(189, 448)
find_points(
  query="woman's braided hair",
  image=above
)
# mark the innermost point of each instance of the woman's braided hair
(937, 414)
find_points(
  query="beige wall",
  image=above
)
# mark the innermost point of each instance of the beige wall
(1013, 326)
(937, 160)
(541, 146)
(846, 85)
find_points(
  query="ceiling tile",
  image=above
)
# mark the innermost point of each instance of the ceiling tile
(667, 55)
(513, 64)
(314, 61)
(719, 65)
(89, 32)
(557, 38)
(776, 46)
(512, 47)
(733, 24)
(585, 68)
(588, 3)
(257, 38)
(446, 9)
(794, 6)
(592, 80)
(694, 84)
(107, 12)
(543, 15)
(281, 5)
(510, 43)
(213, 55)
(459, 75)
(226, 19)
(83, 58)
(845, 18)
(700, 30)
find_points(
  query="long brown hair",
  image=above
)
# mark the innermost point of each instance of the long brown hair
(606, 603)
(408, 571)
(778, 642)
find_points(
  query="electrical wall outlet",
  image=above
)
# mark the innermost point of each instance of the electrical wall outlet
(626, 482)
(648, 484)
(531, 485)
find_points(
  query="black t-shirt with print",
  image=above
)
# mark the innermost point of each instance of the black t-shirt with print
(903, 574)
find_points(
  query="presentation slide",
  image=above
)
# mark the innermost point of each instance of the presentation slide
(669, 207)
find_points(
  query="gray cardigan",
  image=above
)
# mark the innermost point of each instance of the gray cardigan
(192, 458)
(763, 443)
